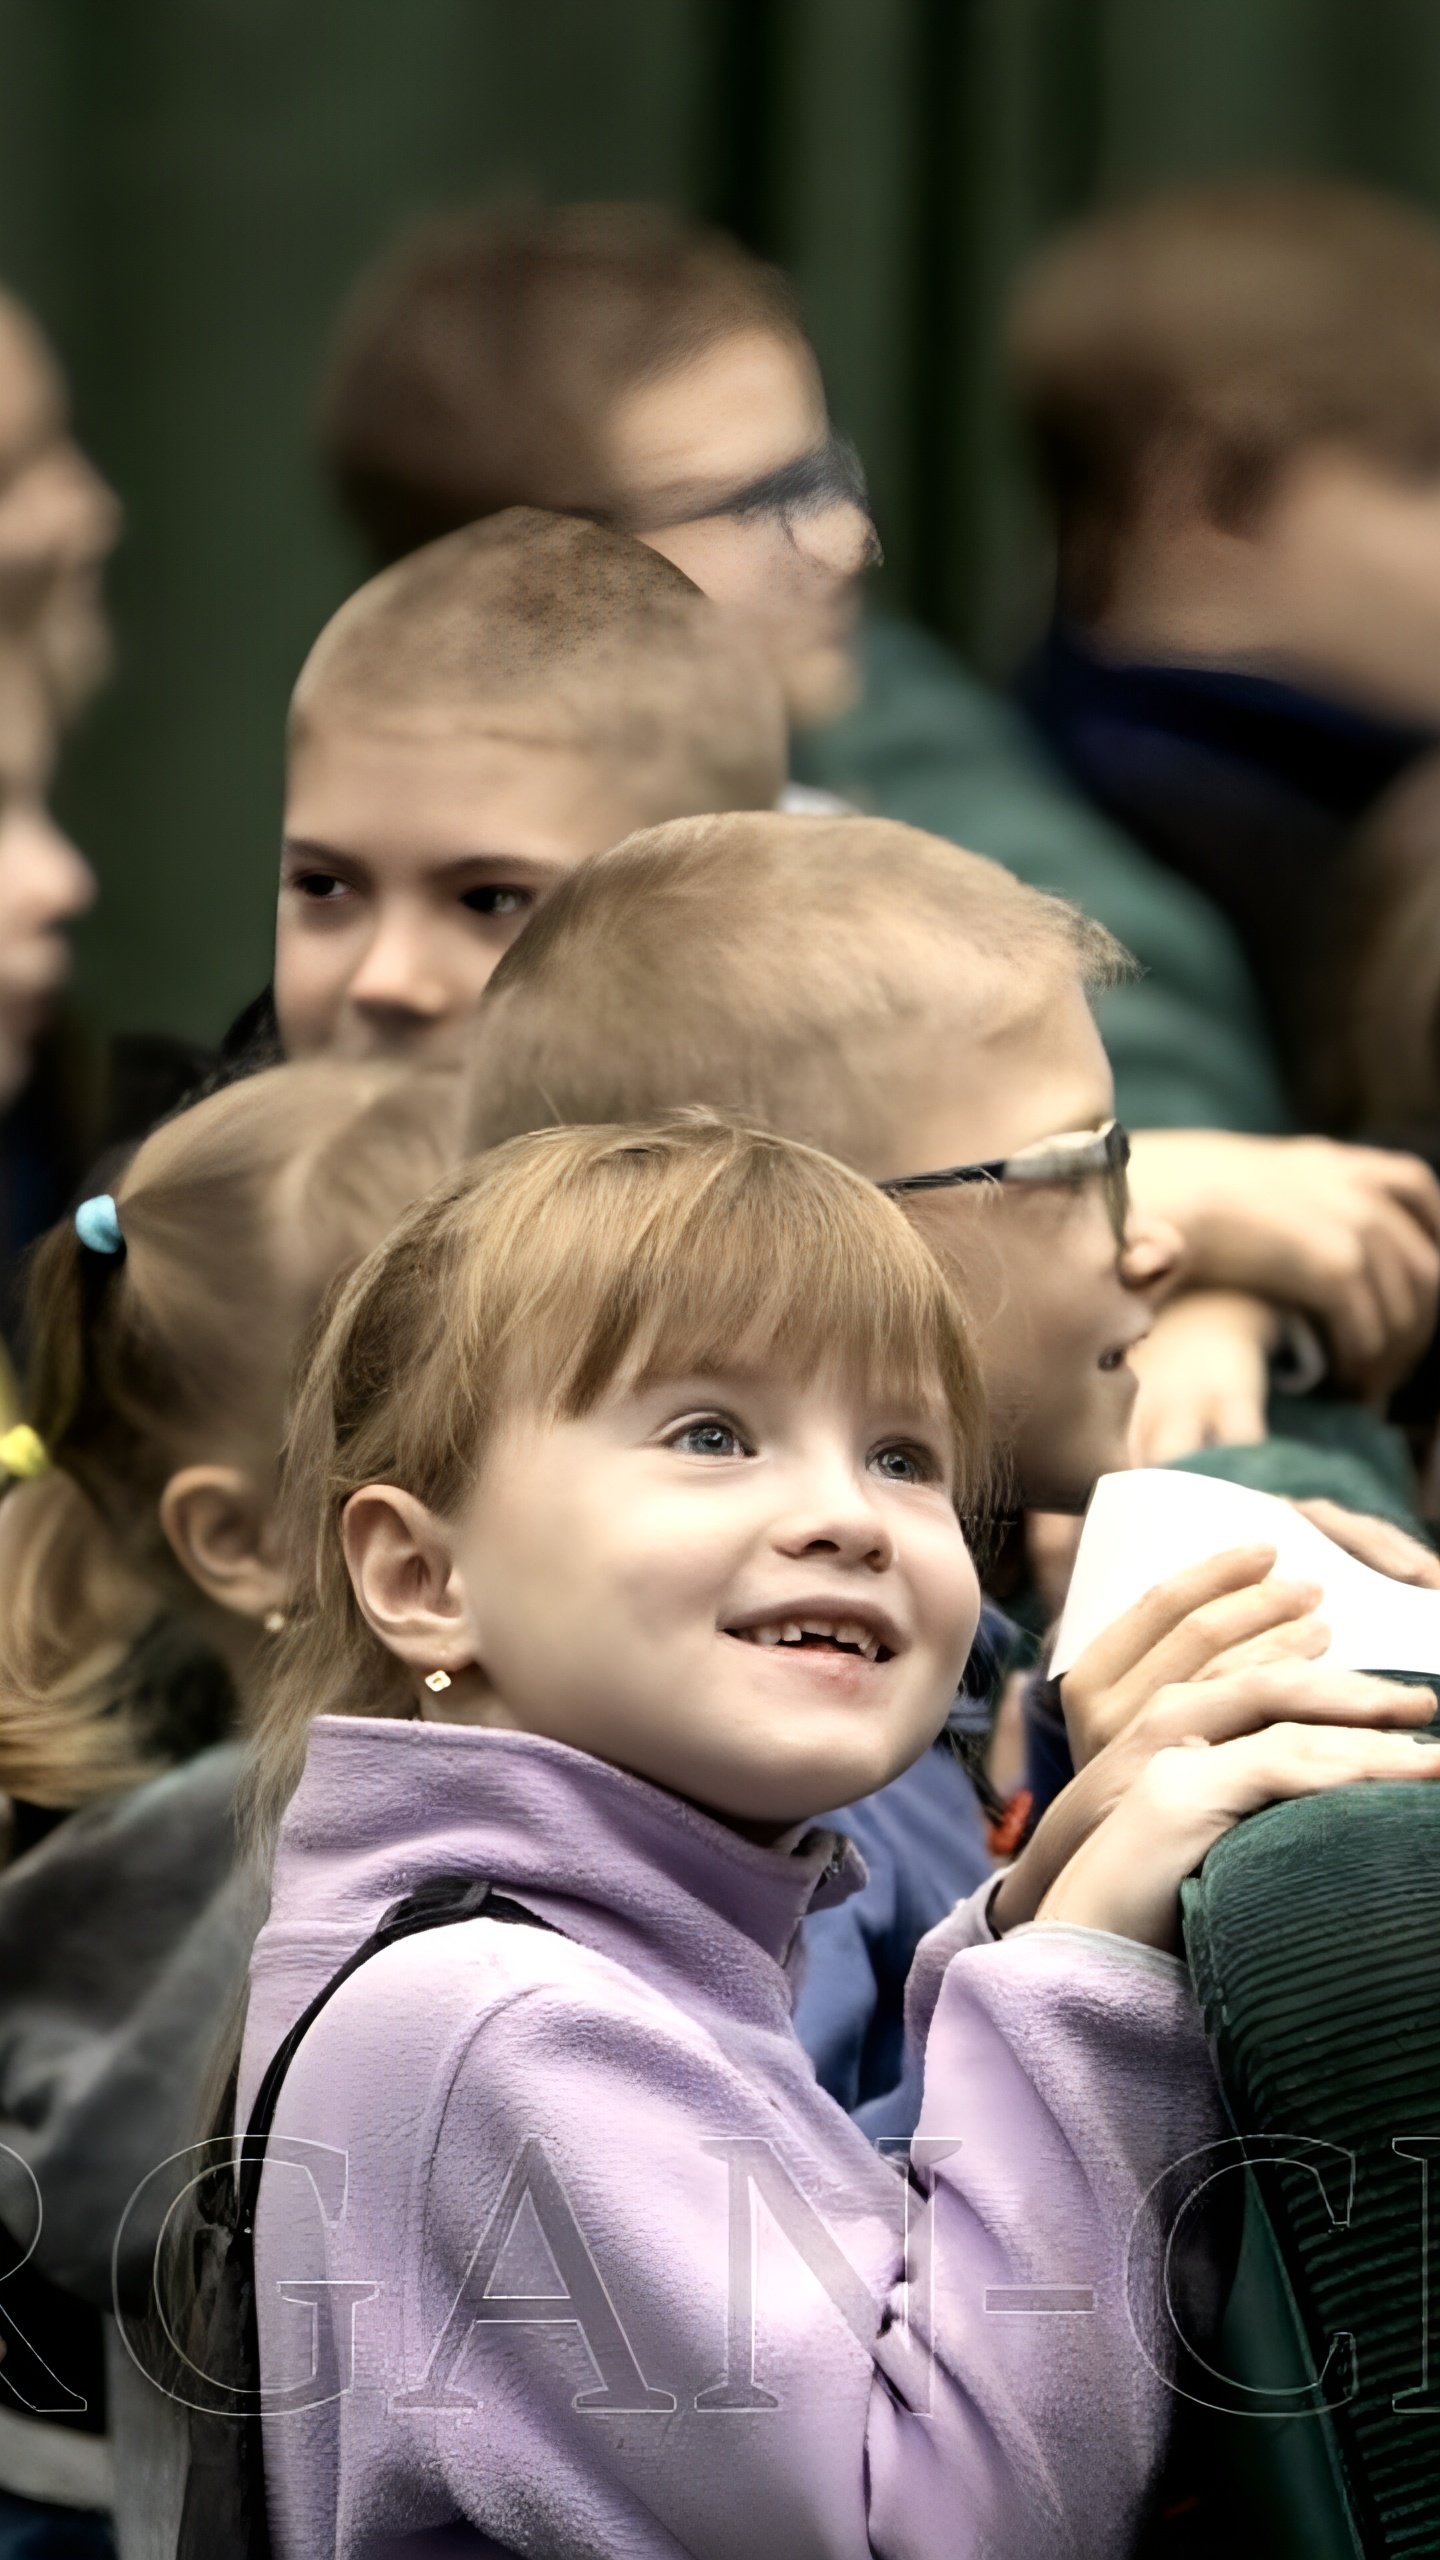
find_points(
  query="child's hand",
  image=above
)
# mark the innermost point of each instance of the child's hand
(1204, 1372)
(1223, 1615)
(1377, 1543)
(1291, 1697)
(1126, 1877)
(1350, 1234)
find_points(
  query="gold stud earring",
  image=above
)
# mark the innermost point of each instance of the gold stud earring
(437, 1680)
(273, 1621)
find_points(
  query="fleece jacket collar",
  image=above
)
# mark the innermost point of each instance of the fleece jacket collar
(614, 1862)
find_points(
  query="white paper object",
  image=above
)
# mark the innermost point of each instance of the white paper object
(1152, 1522)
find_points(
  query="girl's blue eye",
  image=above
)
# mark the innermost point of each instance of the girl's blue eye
(902, 1463)
(709, 1438)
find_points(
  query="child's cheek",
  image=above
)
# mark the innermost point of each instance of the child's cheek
(952, 1595)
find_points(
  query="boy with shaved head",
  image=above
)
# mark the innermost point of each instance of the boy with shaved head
(469, 726)
(904, 1005)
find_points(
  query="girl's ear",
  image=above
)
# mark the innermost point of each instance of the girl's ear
(217, 1525)
(402, 1570)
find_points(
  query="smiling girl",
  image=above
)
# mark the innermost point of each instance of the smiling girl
(631, 1471)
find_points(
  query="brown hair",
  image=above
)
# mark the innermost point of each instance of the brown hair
(237, 1216)
(785, 968)
(1226, 327)
(548, 628)
(529, 1281)
(476, 367)
(1375, 1065)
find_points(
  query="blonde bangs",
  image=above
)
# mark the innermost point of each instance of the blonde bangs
(765, 1255)
(541, 1273)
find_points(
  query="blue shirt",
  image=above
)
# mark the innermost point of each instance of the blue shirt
(924, 1846)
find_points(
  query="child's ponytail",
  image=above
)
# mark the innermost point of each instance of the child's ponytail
(81, 1599)
(75, 1611)
(161, 1327)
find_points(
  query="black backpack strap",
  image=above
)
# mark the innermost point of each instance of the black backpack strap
(224, 2506)
(436, 1904)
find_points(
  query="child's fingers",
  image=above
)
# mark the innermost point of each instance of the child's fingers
(1097, 1706)
(1231, 1779)
(1160, 1610)
(1377, 1543)
(1295, 1639)
(1126, 1872)
(1405, 1178)
(1212, 1630)
(1125, 1875)
(1404, 1295)
(1288, 1693)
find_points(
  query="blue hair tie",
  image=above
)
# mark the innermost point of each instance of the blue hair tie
(97, 1224)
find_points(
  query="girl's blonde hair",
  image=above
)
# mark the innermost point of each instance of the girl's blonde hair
(237, 1215)
(529, 1280)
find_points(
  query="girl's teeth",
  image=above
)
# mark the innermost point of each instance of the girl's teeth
(841, 1632)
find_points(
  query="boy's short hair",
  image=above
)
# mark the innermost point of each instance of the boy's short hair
(561, 632)
(1241, 321)
(789, 969)
(476, 367)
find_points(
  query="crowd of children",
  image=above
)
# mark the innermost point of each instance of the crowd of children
(569, 1990)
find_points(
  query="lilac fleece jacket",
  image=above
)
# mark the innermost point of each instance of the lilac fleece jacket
(581, 2261)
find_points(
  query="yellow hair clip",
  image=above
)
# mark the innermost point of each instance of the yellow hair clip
(23, 1452)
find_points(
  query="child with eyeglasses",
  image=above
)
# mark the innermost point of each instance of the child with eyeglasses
(926, 1018)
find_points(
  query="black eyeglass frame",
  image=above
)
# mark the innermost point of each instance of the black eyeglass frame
(1069, 1158)
(831, 474)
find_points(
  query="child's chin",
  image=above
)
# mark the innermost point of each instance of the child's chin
(828, 1787)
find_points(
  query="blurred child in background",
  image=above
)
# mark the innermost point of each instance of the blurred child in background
(625, 363)
(141, 1586)
(1233, 394)
(467, 728)
(1374, 1054)
(629, 365)
(45, 887)
(58, 524)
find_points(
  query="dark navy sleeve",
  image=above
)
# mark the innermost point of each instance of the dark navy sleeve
(923, 1842)
(1048, 1765)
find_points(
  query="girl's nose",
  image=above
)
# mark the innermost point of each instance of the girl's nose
(841, 1524)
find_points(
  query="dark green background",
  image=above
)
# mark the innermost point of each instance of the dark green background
(186, 187)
